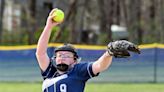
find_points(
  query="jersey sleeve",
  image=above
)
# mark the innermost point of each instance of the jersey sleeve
(85, 71)
(49, 72)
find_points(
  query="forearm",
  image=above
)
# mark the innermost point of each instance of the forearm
(43, 40)
(102, 63)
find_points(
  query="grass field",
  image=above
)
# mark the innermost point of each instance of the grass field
(90, 87)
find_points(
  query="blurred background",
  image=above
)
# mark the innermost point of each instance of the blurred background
(90, 25)
(93, 21)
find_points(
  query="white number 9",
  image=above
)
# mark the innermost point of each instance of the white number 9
(63, 88)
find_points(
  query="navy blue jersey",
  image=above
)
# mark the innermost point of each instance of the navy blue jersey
(72, 81)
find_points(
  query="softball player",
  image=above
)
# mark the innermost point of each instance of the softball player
(62, 73)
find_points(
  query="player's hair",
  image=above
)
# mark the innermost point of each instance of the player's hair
(67, 47)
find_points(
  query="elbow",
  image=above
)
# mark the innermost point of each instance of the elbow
(99, 68)
(36, 53)
(39, 53)
(103, 68)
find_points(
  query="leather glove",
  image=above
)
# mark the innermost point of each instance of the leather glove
(121, 48)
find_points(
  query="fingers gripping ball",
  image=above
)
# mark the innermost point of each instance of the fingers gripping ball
(121, 48)
(59, 15)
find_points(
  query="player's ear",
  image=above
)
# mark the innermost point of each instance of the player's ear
(75, 58)
(53, 58)
(78, 59)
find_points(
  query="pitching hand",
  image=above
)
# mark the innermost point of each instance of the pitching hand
(50, 21)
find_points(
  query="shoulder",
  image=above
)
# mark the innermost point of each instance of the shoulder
(49, 72)
(84, 70)
(82, 64)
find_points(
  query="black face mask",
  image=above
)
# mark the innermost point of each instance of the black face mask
(62, 67)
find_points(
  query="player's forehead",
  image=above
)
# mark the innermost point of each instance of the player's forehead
(64, 52)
